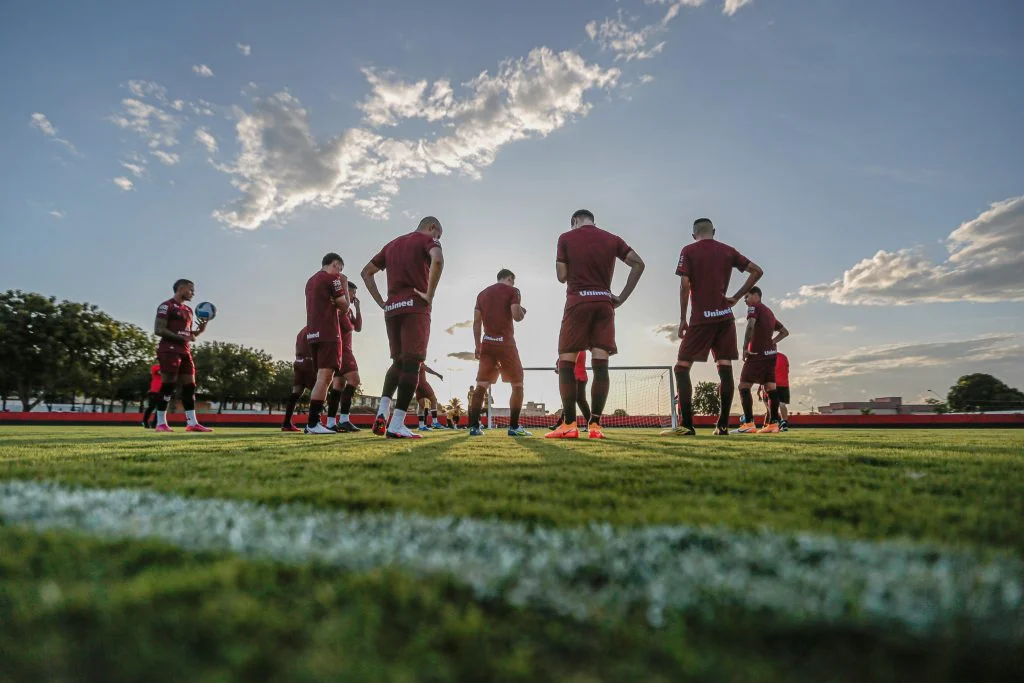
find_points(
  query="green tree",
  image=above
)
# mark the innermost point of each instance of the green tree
(938, 407)
(705, 398)
(980, 393)
(231, 372)
(619, 412)
(280, 385)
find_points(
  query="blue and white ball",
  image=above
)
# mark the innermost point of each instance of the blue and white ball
(206, 311)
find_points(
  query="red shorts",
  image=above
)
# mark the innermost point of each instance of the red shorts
(326, 355)
(495, 358)
(348, 357)
(718, 338)
(303, 373)
(588, 326)
(175, 364)
(425, 391)
(408, 335)
(758, 369)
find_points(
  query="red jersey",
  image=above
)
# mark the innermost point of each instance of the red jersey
(581, 367)
(781, 370)
(709, 263)
(179, 321)
(765, 327)
(495, 306)
(590, 254)
(155, 379)
(406, 260)
(321, 313)
(302, 349)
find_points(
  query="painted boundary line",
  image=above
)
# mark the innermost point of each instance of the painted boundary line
(593, 572)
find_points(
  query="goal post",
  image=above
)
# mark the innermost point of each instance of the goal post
(638, 396)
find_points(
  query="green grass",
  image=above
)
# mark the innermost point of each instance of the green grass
(80, 609)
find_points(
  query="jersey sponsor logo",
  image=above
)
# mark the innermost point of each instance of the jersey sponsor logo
(336, 285)
(162, 309)
(594, 292)
(494, 339)
(408, 303)
(751, 312)
(310, 336)
(721, 313)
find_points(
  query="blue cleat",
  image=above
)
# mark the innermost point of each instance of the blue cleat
(519, 431)
(426, 428)
(476, 431)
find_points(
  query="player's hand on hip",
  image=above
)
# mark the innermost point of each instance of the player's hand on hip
(746, 356)
(683, 326)
(617, 301)
(476, 353)
(732, 301)
(424, 296)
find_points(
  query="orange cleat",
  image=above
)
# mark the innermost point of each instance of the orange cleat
(747, 428)
(564, 431)
(772, 428)
(595, 431)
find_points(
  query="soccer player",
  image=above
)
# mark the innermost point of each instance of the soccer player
(705, 268)
(346, 381)
(174, 327)
(427, 399)
(759, 351)
(153, 397)
(303, 378)
(326, 296)
(585, 261)
(782, 387)
(497, 310)
(413, 263)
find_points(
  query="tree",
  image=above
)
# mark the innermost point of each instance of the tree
(619, 412)
(980, 392)
(231, 372)
(705, 399)
(280, 385)
(938, 407)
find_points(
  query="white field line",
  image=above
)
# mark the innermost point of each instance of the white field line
(593, 572)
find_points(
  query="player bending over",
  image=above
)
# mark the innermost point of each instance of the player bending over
(346, 380)
(426, 398)
(759, 351)
(585, 261)
(174, 327)
(782, 386)
(704, 270)
(413, 263)
(303, 378)
(326, 298)
(152, 397)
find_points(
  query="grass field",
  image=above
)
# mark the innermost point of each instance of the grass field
(88, 599)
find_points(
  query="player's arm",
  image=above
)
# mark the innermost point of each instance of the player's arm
(357, 322)
(478, 328)
(436, 266)
(160, 329)
(636, 269)
(754, 274)
(431, 371)
(561, 271)
(518, 312)
(341, 301)
(369, 274)
(782, 332)
(203, 322)
(684, 302)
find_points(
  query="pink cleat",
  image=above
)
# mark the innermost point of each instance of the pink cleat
(197, 428)
(163, 429)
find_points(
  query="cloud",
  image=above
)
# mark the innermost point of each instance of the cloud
(463, 355)
(155, 125)
(733, 6)
(40, 122)
(57, 214)
(848, 328)
(465, 324)
(202, 70)
(246, 50)
(136, 165)
(628, 44)
(168, 158)
(669, 331)
(206, 139)
(646, 78)
(985, 262)
(281, 166)
(124, 183)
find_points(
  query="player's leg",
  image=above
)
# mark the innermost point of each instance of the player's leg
(423, 412)
(289, 407)
(573, 337)
(352, 382)
(583, 400)
(725, 349)
(476, 406)
(334, 399)
(187, 378)
(326, 359)
(169, 364)
(512, 373)
(152, 398)
(772, 421)
(434, 405)
(747, 379)
(414, 333)
(602, 346)
(394, 331)
(783, 408)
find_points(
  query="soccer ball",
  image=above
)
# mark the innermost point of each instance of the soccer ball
(206, 311)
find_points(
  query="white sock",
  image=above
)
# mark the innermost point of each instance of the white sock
(190, 417)
(331, 421)
(161, 418)
(343, 418)
(385, 406)
(397, 420)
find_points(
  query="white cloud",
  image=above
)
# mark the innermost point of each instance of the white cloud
(246, 50)
(202, 70)
(848, 328)
(206, 139)
(733, 6)
(40, 122)
(464, 325)
(616, 35)
(281, 165)
(57, 213)
(646, 78)
(669, 331)
(158, 127)
(167, 158)
(137, 168)
(985, 264)
(124, 183)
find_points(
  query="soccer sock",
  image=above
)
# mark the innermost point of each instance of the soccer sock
(346, 402)
(567, 388)
(397, 420)
(407, 380)
(315, 408)
(423, 418)
(385, 407)
(433, 416)
(515, 407)
(581, 400)
(685, 396)
(475, 406)
(599, 390)
(773, 405)
(728, 389)
(166, 391)
(289, 409)
(333, 399)
(391, 380)
(747, 401)
(188, 402)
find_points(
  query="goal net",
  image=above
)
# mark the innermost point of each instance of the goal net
(637, 397)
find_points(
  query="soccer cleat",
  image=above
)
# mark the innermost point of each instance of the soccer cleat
(319, 429)
(519, 431)
(772, 428)
(476, 431)
(564, 431)
(163, 429)
(426, 428)
(678, 431)
(197, 428)
(290, 428)
(595, 431)
(437, 425)
(402, 433)
(747, 428)
(380, 426)
(145, 425)
(347, 428)
(720, 431)
(784, 426)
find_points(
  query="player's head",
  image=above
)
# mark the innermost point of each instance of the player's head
(186, 289)
(332, 263)
(703, 228)
(753, 296)
(507, 276)
(352, 288)
(581, 217)
(431, 225)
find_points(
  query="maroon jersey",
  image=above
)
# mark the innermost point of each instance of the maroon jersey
(590, 254)
(321, 313)
(302, 345)
(765, 327)
(350, 322)
(179, 321)
(495, 306)
(406, 260)
(709, 263)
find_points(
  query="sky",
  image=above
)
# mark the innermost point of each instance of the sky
(867, 154)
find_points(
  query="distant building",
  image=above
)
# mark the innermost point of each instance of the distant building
(887, 405)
